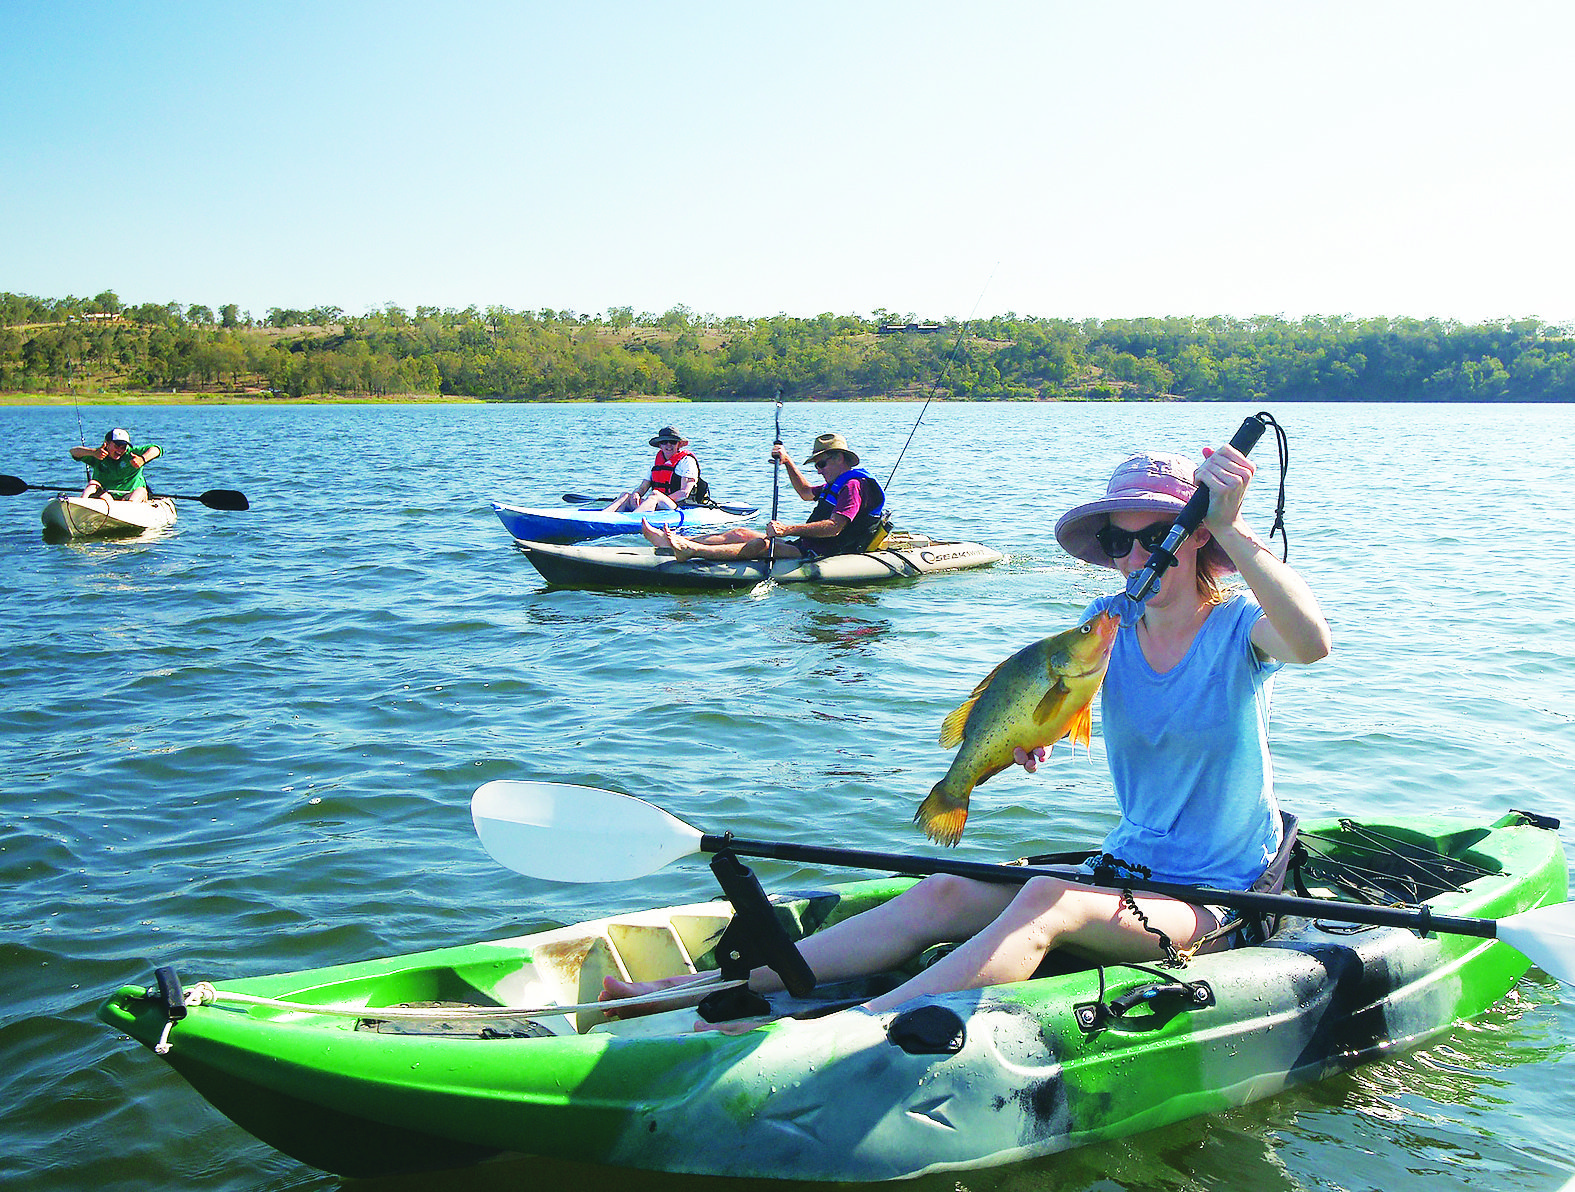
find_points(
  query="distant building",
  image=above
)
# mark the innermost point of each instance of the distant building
(920, 328)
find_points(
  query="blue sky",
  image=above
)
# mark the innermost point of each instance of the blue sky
(1054, 159)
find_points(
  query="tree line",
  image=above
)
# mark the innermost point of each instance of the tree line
(88, 344)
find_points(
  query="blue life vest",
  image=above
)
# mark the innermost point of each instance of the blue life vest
(856, 535)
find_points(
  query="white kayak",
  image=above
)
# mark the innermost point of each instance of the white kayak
(902, 556)
(94, 517)
(575, 524)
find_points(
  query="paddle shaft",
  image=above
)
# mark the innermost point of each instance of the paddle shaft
(1418, 918)
(776, 466)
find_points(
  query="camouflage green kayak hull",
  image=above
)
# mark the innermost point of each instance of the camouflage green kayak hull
(951, 1082)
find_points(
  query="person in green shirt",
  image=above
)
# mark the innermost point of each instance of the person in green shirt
(116, 467)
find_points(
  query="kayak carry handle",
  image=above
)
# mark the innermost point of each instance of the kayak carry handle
(174, 1000)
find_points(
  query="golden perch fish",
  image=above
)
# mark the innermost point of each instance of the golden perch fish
(1040, 694)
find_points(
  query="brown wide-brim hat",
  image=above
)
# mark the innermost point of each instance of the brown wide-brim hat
(1146, 482)
(668, 435)
(827, 443)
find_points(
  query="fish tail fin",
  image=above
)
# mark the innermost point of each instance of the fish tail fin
(943, 814)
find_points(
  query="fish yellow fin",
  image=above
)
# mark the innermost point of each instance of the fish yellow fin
(957, 719)
(1082, 728)
(1051, 703)
(942, 815)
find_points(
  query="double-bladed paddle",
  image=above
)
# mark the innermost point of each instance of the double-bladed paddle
(766, 586)
(567, 833)
(215, 498)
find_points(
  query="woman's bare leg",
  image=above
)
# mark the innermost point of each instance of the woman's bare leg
(1050, 913)
(931, 912)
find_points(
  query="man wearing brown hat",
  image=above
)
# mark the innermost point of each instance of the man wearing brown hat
(674, 478)
(848, 505)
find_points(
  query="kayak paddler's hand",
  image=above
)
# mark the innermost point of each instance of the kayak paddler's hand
(779, 454)
(1029, 760)
(1226, 472)
(776, 529)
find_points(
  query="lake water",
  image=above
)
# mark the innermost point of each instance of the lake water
(247, 745)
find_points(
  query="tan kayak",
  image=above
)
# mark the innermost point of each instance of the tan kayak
(900, 557)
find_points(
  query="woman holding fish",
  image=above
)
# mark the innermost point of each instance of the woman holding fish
(1184, 713)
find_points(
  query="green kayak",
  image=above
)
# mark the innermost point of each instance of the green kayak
(448, 1057)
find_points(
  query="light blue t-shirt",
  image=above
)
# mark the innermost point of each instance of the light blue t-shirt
(1189, 755)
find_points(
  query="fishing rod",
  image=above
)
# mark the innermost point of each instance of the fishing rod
(935, 385)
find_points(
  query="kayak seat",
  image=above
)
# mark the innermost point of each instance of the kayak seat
(880, 533)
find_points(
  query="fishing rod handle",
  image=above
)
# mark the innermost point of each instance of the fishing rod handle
(1197, 507)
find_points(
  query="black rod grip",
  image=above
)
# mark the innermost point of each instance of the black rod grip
(1197, 507)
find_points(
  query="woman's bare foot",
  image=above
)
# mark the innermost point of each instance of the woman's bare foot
(614, 990)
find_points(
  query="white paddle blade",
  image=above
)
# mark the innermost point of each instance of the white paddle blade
(1546, 937)
(569, 833)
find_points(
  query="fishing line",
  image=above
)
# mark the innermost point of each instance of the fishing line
(945, 372)
(81, 434)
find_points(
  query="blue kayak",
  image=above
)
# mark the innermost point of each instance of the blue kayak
(576, 524)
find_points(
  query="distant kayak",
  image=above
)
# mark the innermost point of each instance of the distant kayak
(449, 1057)
(593, 521)
(901, 557)
(94, 517)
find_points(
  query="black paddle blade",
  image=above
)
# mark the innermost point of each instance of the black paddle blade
(225, 498)
(214, 498)
(10, 486)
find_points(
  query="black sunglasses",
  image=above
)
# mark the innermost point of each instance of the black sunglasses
(1117, 543)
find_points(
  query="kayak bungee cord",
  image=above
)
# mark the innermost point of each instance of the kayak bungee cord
(1410, 877)
(204, 993)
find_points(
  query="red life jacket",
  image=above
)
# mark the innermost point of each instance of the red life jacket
(664, 472)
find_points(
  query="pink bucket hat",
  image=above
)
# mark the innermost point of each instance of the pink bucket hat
(1148, 481)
